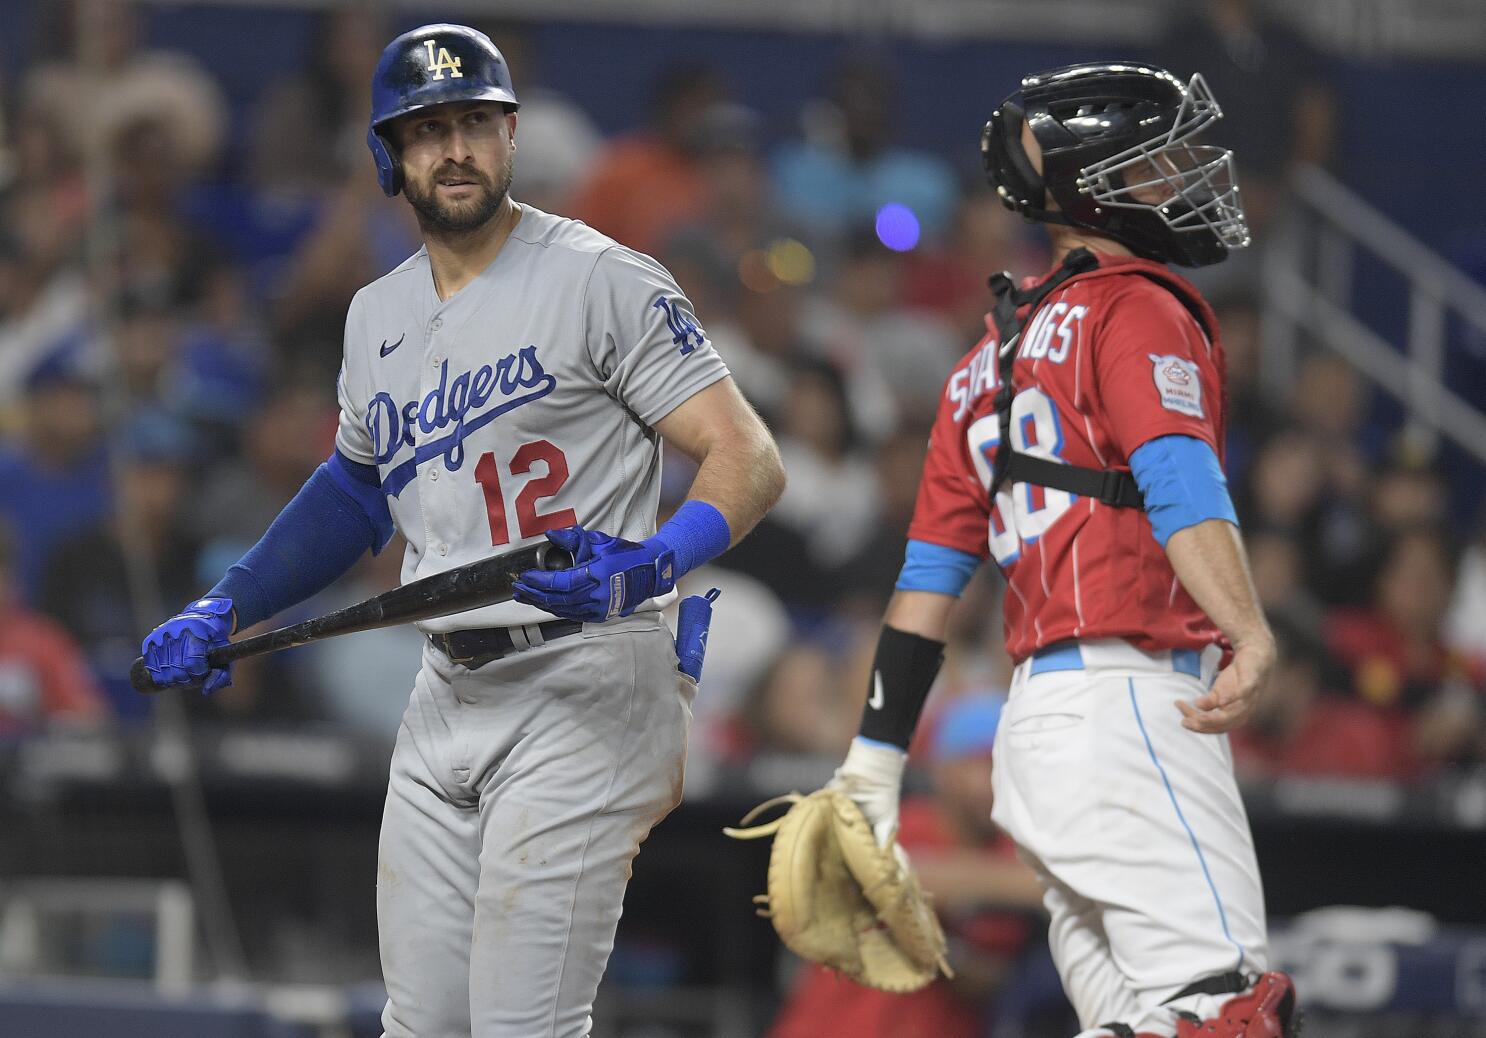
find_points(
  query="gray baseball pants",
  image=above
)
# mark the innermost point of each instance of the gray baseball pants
(519, 795)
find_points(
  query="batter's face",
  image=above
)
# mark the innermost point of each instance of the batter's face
(457, 161)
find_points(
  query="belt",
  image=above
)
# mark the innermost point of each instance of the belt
(1071, 656)
(475, 648)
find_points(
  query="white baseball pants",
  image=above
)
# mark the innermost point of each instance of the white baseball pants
(1134, 825)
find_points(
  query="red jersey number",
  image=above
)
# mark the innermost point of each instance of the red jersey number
(528, 520)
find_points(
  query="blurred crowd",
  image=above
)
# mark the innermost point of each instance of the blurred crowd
(170, 335)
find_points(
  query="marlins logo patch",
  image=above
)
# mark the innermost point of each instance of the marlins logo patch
(1178, 383)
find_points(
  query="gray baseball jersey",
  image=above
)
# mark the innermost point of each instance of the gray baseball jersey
(523, 403)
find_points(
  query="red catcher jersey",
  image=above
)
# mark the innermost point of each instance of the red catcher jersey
(1111, 359)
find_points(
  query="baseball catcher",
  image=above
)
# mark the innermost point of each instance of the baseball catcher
(1079, 445)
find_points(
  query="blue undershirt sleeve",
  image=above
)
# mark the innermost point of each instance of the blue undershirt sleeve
(337, 515)
(364, 486)
(933, 567)
(1183, 484)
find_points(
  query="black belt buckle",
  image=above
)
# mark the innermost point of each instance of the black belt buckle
(445, 644)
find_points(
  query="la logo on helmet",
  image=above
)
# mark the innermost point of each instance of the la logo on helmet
(438, 65)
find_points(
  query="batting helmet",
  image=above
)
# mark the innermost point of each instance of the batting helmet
(432, 65)
(1109, 133)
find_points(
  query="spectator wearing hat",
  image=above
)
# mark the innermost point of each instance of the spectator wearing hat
(55, 474)
(983, 893)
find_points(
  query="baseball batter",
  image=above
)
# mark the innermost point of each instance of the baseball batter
(1079, 445)
(511, 380)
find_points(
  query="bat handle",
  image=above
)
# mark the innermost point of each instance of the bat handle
(552, 556)
(139, 677)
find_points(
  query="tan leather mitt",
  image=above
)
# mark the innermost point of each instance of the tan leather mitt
(837, 898)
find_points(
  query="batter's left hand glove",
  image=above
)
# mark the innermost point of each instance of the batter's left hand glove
(175, 652)
(610, 578)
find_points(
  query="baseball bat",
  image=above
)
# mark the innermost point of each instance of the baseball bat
(471, 586)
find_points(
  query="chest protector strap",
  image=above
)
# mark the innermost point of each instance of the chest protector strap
(1110, 486)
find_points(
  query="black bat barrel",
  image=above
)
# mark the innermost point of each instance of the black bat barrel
(471, 586)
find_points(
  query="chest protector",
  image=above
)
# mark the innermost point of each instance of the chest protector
(1113, 487)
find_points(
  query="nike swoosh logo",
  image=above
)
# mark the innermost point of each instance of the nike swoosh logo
(388, 349)
(877, 699)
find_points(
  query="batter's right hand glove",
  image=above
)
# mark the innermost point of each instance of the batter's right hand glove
(609, 579)
(175, 652)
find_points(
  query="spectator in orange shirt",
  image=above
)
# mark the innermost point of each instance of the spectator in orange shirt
(44, 678)
(646, 184)
(983, 894)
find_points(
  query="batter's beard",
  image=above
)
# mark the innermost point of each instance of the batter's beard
(459, 218)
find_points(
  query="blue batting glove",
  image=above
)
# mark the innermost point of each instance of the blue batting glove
(175, 652)
(610, 579)
(577, 541)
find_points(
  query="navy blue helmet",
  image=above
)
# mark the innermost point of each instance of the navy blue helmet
(432, 65)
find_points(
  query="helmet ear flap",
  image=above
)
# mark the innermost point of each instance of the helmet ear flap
(389, 170)
(1007, 165)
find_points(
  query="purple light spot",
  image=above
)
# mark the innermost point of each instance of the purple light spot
(897, 227)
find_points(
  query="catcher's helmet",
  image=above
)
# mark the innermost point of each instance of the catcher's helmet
(432, 65)
(1108, 132)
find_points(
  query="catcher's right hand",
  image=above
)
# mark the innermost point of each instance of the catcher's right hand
(838, 897)
(872, 776)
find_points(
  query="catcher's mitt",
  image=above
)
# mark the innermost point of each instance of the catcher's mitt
(838, 898)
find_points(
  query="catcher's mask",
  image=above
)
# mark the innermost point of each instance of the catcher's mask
(432, 65)
(1118, 158)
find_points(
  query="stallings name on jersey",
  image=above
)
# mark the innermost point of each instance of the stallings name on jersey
(1049, 337)
(516, 379)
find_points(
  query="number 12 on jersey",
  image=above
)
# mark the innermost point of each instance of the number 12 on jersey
(1021, 512)
(529, 521)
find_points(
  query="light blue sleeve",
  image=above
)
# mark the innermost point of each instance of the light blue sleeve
(933, 567)
(1183, 484)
